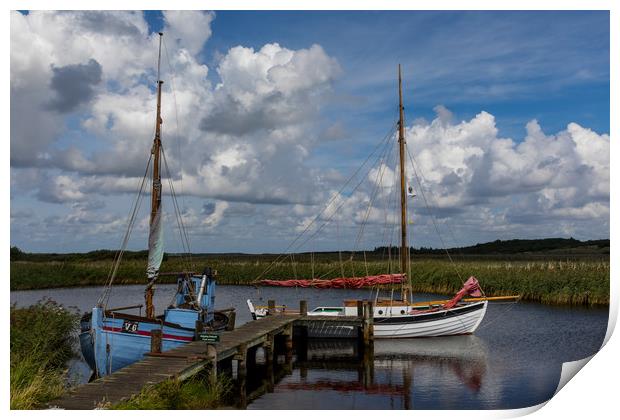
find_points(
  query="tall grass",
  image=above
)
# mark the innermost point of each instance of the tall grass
(577, 282)
(194, 394)
(42, 341)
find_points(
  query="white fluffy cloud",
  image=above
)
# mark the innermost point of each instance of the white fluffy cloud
(469, 164)
(243, 133)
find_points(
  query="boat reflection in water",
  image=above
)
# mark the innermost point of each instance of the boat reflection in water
(392, 372)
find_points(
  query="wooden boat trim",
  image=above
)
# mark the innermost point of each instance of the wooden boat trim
(386, 302)
(131, 317)
(480, 299)
(431, 316)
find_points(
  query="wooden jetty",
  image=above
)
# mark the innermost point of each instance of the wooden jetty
(185, 361)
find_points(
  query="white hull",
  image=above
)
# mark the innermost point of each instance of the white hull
(455, 321)
(396, 322)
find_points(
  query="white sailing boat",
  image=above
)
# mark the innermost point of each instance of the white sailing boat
(399, 318)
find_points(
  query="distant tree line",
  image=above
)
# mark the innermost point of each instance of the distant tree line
(97, 255)
(512, 246)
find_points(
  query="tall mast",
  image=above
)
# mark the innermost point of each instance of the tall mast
(155, 220)
(404, 247)
(156, 193)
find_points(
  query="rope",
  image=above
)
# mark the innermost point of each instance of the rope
(307, 228)
(341, 204)
(378, 183)
(105, 295)
(432, 215)
(176, 117)
(182, 231)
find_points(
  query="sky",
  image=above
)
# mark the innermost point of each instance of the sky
(278, 127)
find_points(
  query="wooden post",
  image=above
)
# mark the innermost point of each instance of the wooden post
(198, 328)
(271, 306)
(288, 344)
(360, 308)
(212, 357)
(251, 358)
(156, 336)
(231, 321)
(366, 322)
(301, 342)
(269, 349)
(303, 308)
(368, 363)
(371, 323)
(242, 373)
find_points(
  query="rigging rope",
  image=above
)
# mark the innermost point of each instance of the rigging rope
(334, 197)
(105, 295)
(179, 217)
(432, 215)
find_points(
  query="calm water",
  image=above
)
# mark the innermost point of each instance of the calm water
(514, 360)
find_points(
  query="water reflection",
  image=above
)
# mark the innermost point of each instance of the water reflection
(342, 374)
(514, 360)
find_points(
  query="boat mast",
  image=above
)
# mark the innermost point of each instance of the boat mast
(156, 188)
(404, 246)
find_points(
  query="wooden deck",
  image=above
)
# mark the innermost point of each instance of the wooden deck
(191, 358)
(180, 363)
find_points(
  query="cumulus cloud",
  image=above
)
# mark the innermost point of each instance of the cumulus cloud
(467, 164)
(74, 85)
(269, 88)
(245, 141)
(188, 29)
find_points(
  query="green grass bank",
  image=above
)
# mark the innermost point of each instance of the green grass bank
(194, 394)
(42, 342)
(547, 279)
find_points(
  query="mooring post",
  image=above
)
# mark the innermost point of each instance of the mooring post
(156, 336)
(268, 346)
(371, 323)
(241, 358)
(271, 307)
(251, 358)
(212, 358)
(303, 308)
(368, 363)
(288, 344)
(230, 325)
(366, 323)
(198, 328)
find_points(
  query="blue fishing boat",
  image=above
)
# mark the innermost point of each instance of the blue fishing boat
(112, 338)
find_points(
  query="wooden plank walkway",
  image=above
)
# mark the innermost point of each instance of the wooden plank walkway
(180, 363)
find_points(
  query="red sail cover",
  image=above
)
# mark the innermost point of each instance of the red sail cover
(339, 283)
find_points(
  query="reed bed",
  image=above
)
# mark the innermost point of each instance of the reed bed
(42, 342)
(194, 394)
(552, 281)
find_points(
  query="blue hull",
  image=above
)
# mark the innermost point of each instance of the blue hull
(111, 340)
(113, 343)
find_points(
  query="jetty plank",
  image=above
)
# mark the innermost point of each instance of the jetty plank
(184, 361)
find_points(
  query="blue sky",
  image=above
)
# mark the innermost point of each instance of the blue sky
(276, 109)
(369, 45)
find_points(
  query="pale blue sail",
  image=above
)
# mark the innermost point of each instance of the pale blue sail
(156, 246)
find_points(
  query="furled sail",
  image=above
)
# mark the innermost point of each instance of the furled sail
(156, 246)
(339, 283)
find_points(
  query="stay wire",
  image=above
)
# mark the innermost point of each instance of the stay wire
(179, 217)
(325, 223)
(334, 197)
(432, 215)
(130, 223)
(176, 117)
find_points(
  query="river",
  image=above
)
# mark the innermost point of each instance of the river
(513, 360)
